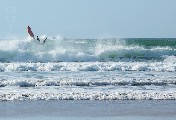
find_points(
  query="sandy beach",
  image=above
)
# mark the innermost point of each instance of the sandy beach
(78, 110)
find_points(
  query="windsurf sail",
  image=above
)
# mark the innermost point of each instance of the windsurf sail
(30, 32)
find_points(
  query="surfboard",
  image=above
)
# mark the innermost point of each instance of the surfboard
(45, 40)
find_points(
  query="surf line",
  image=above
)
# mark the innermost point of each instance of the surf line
(31, 34)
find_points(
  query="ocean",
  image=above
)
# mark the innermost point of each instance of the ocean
(88, 69)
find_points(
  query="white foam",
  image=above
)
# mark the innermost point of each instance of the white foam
(81, 85)
(67, 50)
(71, 93)
(169, 64)
(65, 69)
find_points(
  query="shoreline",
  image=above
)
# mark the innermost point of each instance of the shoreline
(73, 109)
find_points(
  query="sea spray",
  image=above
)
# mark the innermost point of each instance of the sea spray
(88, 69)
(86, 50)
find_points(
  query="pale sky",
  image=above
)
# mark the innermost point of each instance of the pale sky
(89, 18)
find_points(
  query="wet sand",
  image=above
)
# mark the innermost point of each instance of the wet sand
(88, 110)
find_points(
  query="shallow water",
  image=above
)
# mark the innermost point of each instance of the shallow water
(62, 85)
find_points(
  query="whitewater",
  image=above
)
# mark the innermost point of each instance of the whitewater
(88, 69)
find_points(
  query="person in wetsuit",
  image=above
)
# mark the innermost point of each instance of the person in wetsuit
(38, 38)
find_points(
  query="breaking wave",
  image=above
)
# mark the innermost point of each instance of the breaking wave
(58, 49)
(169, 64)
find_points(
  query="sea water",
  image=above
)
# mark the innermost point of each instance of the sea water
(88, 69)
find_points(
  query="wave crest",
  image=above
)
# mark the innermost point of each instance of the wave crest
(58, 49)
